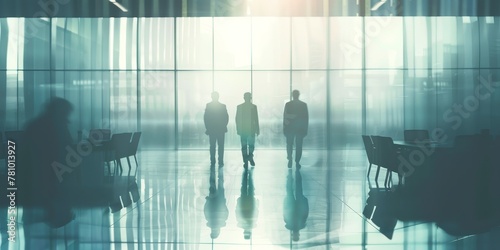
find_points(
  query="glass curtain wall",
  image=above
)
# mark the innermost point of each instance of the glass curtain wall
(359, 75)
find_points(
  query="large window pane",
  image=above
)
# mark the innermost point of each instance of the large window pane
(12, 100)
(418, 34)
(309, 42)
(271, 91)
(156, 41)
(271, 43)
(83, 43)
(35, 43)
(490, 34)
(468, 42)
(346, 44)
(194, 89)
(345, 108)
(459, 108)
(419, 99)
(384, 103)
(88, 93)
(194, 43)
(9, 40)
(489, 105)
(384, 42)
(157, 109)
(34, 89)
(78, 92)
(123, 101)
(444, 42)
(123, 43)
(232, 43)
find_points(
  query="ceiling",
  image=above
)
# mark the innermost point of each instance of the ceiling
(217, 8)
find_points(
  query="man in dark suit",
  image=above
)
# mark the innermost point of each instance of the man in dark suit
(247, 127)
(295, 124)
(216, 119)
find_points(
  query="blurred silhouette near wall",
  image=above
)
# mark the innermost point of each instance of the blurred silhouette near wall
(45, 141)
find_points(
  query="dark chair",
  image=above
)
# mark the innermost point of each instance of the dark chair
(416, 135)
(386, 155)
(121, 145)
(116, 149)
(376, 156)
(367, 141)
(132, 150)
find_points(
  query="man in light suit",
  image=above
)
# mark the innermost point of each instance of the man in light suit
(216, 119)
(247, 127)
(295, 125)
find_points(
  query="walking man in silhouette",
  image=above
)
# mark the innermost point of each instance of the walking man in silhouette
(295, 124)
(216, 119)
(247, 127)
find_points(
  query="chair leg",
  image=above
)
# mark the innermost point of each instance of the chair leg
(119, 165)
(386, 181)
(115, 172)
(136, 165)
(129, 166)
(376, 175)
(369, 168)
(109, 167)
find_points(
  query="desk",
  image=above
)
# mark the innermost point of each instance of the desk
(430, 145)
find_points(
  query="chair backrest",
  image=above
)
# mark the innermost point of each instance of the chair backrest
(134, 143)
(414, 135)
(367, 141)
(120, 143)
(386, 152)
(16, 136)
(376, 152)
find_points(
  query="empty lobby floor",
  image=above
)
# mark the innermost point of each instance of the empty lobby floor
(172, 210)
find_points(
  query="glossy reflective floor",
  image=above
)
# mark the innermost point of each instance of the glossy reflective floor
(179, 202)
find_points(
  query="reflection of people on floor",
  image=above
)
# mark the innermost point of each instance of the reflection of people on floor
(45, 155)
(216, 119)
(295, 205)
(247, 127)
(247, 206)
(215, 208)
